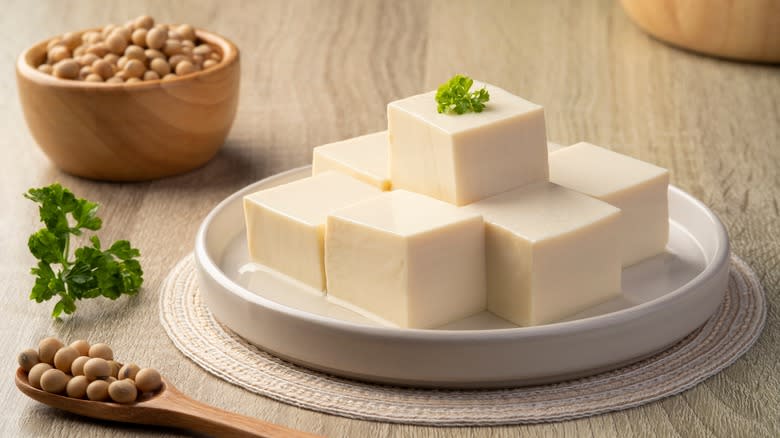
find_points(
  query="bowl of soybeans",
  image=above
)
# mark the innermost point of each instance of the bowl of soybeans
(131, 102)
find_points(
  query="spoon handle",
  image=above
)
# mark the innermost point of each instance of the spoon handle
(173, 408)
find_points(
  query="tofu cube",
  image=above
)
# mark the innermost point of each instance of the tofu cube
(639, 189)
(411, 260)
(461, 159)
(285, 225)
(550, 252)
(363, 158)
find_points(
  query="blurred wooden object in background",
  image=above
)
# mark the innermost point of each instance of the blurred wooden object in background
(746, 30)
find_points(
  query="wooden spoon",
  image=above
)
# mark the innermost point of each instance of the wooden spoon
(166, 407)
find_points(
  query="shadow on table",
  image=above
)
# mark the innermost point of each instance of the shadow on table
(234, 166)
(45, 415)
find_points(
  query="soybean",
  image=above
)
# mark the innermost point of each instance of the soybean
(184, 68)
(58, 53)
(134, 68)
(64, 358)
(28, 359)
(115, 367)
(77, 367)
(128, 371)
(97, 368)
(148, 380)
(48, 347)
(116, 43)
(54, 381)
(156, 38)
(102, 351)
(81, 345)
(104, 70)
(123, 391)
(97, 390)
(66, 69)
(34, 376)
(139, 37)
(77, 387)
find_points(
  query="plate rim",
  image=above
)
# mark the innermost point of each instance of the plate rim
(711, 270)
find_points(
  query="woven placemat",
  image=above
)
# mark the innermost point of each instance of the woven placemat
(725, 337)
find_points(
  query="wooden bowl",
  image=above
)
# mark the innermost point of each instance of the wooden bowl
(130, 132)
(747, 30)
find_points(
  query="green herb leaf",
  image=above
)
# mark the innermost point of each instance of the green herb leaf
(46, 246)
(123, 251)
(453, 96)
(91, 272)
(85, 214)
(45, 283)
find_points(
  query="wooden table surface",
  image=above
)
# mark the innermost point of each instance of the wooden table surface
(316, 72)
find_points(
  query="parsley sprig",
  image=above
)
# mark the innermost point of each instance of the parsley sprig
(92, 271)
(453, 96)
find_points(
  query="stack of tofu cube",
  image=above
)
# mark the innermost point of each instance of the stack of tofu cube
(444, 216)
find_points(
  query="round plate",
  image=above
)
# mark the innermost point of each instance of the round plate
(664, 299)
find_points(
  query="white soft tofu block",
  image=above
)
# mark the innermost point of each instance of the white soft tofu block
(408, 259)
(286, 224)
(363, 158)
(550, 252)
(636, 187)
(461, 159)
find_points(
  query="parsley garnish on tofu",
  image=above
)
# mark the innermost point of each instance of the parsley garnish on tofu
(453, 96)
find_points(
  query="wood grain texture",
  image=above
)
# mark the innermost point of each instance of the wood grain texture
(316, 72)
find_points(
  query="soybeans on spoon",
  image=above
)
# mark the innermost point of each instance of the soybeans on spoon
(166, 407)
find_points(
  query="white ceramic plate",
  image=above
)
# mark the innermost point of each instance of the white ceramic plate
(664, 299)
